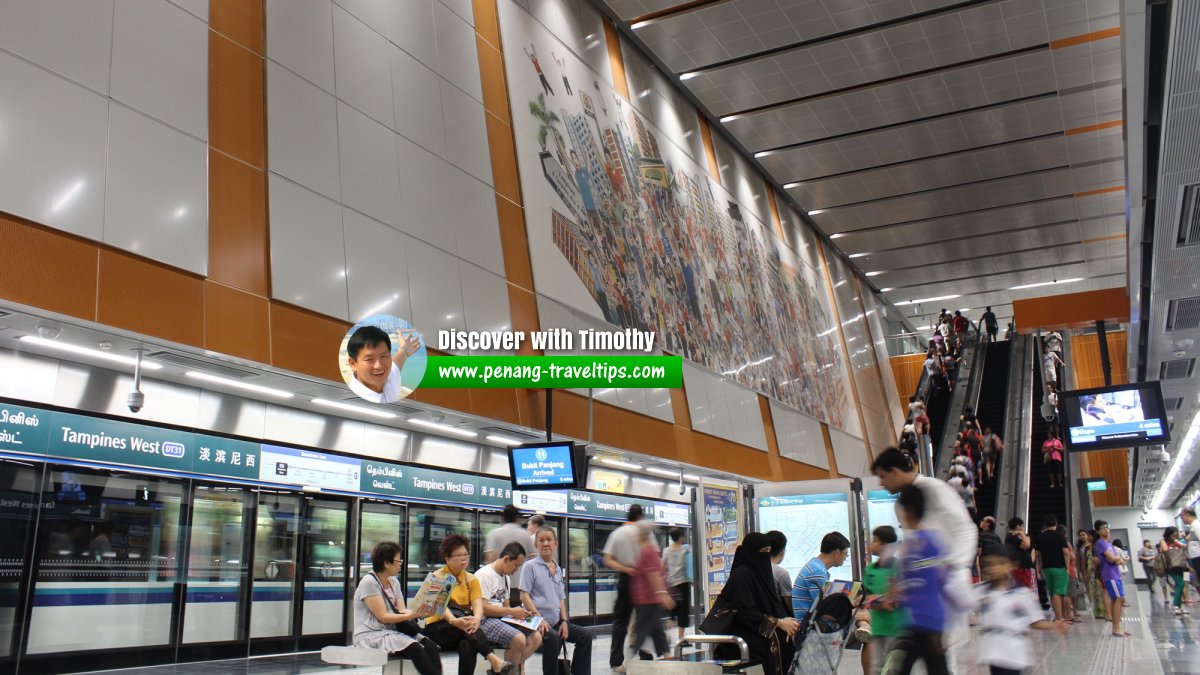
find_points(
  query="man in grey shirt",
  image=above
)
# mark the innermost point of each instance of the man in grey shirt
(783, 580)
(507, 533)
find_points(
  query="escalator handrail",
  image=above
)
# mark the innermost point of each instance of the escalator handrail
(1016, 466)
(972, 361)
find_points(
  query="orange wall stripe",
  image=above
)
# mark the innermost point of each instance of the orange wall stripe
(1071, 309)
(1111, 237)
(1091, 193)
(907, 371)
(776, 221)
(829, 454)
(1085, 38)
(674, 9)
(616, 61)
(1088, 371)
(862, 307)
(1094, 127)
(710, 151)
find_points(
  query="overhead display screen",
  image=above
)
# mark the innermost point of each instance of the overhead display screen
(543, 466)
(1113, 417)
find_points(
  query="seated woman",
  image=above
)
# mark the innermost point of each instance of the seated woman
(760, 617)
(458, 627)
(379, 610)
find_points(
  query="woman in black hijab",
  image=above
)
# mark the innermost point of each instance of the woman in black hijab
(760, 616)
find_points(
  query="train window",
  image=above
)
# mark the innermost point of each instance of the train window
(18, 492)
(276, 533)
(218, 567)
(107, 562)
(427, 527)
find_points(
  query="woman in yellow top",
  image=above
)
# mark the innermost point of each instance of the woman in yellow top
(458, 626)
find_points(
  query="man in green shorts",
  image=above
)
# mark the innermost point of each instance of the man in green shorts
(1052, 552)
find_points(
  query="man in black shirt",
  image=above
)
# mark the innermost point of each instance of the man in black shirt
(1052, 553)
(988, 540)
(989, 323)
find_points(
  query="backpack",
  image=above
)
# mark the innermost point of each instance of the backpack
(1160, 565)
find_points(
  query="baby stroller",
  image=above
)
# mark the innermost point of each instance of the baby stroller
(822, 636)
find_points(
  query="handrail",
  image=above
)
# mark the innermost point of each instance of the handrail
(958, 399)
(1015, 466)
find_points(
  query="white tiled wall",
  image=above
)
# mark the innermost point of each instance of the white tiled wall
(104, 117)
(376, 136)
(850, 453)
(799, 436)
(722, 408)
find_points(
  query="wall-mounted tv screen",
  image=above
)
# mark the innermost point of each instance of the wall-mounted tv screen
(1120, 416)
(547, 466)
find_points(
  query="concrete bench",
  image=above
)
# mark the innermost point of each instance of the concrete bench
(363, 656)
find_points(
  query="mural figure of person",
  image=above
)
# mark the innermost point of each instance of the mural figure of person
(562, 68)
(537, 67)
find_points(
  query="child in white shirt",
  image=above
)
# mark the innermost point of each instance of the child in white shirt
(1007, 612)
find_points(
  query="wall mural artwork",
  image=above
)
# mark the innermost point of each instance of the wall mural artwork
(624, 225)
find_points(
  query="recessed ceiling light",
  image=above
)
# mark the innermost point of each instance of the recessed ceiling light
(621, 465)
(504, 440)
(688, 76)
(875, 273)
(443, 427)
(817, 212)
(859, 255)
(1046, 283)
(359, 409)
(885, 290)
(836, 235)
(87, 351)
(238, 384)
(640, 24)
(933, 299)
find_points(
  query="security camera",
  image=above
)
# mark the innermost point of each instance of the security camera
(437, 417)
(135, 401)
(1164, 456)
(1048, 412)
(682, 489)
(48, 332)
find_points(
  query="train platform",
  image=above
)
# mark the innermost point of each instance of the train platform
(1160, 643)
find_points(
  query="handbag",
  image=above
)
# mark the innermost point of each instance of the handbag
(410, 628)
(564, 661)
(1176, 559)
(718, 621)
(1076, 589)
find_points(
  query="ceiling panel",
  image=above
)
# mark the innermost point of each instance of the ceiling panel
(988, 194)
(915, 140)
(731, 30)
(907, 100)
(1039, 154)
(945, 39)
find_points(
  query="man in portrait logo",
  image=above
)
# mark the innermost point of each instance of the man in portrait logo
(376, 369)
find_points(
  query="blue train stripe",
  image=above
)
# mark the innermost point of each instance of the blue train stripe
(80, 597)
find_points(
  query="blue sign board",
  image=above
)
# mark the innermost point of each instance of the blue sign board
(543, 465)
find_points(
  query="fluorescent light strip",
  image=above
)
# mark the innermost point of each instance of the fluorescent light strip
(361, 410)
(875, 273)
(885, 290)
(237, 384)
(87, 351)
(835, 235)
(1046, 283)
(691, 476)
(444, 427)
(663, 472)
(1186, 448)
(622, 465)
(859, 255)
(922, 300)
(504, 440)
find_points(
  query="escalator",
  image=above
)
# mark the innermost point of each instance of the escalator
(937, 407)
(990, 409)
(1042, 499)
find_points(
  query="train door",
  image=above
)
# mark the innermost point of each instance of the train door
(581, 568)
(301, 559)
(19, 496)
(378, 521)
(107, 582)
(427, 527)
(216, 594)
(604, 585)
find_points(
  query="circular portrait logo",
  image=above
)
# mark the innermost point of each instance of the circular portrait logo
(382, 358)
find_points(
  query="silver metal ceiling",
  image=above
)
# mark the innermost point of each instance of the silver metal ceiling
(953, 147)
(1172, 223)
